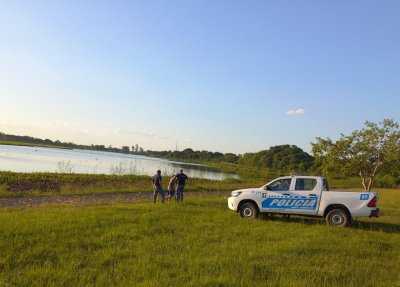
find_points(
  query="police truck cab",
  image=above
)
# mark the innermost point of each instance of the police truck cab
(304, 195)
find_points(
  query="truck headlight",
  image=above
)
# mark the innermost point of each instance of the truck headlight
(236, 193)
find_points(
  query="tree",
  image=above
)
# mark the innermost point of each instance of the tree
(125, 149)
(364, 153)
(280, 159)
(230, 157)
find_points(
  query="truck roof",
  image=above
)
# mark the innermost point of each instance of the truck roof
(303, 176)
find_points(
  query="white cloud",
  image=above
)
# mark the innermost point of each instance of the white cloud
(296, 112)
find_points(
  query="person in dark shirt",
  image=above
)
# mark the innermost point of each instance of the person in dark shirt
(157, 186)
(181, 179)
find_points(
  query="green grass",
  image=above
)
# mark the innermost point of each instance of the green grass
(199, 243)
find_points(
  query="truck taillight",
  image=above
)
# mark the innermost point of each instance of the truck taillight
(373, 202)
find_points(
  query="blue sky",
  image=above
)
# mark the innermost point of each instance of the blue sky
(232, 76)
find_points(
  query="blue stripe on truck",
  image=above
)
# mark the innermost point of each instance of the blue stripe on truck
(291, 202)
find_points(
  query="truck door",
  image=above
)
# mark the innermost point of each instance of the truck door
(274, 193)
(292, 195)
(307, 195)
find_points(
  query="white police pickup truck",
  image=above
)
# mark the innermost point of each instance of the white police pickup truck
(304, 195)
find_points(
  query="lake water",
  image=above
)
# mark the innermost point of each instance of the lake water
(39, 159)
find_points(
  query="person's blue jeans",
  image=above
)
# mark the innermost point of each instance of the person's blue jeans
(179, 193)
(157, 191)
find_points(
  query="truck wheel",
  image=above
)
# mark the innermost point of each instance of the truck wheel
(248, 210)
(338, 217)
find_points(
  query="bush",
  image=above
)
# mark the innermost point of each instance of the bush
(387, 181)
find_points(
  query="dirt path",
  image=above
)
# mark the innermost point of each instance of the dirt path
(96, 198)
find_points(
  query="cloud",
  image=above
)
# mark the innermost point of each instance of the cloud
(296, 112)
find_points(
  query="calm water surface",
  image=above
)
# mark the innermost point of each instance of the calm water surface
(39, 159)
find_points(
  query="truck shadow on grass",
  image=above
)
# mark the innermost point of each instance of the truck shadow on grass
(362, 225)
(377, 226)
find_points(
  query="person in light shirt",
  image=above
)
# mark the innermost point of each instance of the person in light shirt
(172, 187)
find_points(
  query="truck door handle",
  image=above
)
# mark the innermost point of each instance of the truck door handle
(311, 194)
(287, 194)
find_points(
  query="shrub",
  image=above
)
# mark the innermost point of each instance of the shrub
(387, 181)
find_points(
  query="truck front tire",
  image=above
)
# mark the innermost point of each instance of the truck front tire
(338, 217)
(248, 210)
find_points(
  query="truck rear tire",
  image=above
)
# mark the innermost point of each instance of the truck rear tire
(338, 217)
(248, 210)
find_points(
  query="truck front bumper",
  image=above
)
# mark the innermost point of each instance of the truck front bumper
(232, 203)
(375, 213)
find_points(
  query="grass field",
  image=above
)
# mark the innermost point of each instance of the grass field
(199, 243)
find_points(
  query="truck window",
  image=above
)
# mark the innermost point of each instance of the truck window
(280, 185)
(305, 184)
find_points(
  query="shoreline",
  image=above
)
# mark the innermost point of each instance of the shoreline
(9, 143)
(92, 199)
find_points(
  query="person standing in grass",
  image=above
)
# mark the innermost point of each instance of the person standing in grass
(157, 185)
(181, 179)
(171, 187)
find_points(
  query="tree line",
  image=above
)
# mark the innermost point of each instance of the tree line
(371, 153)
